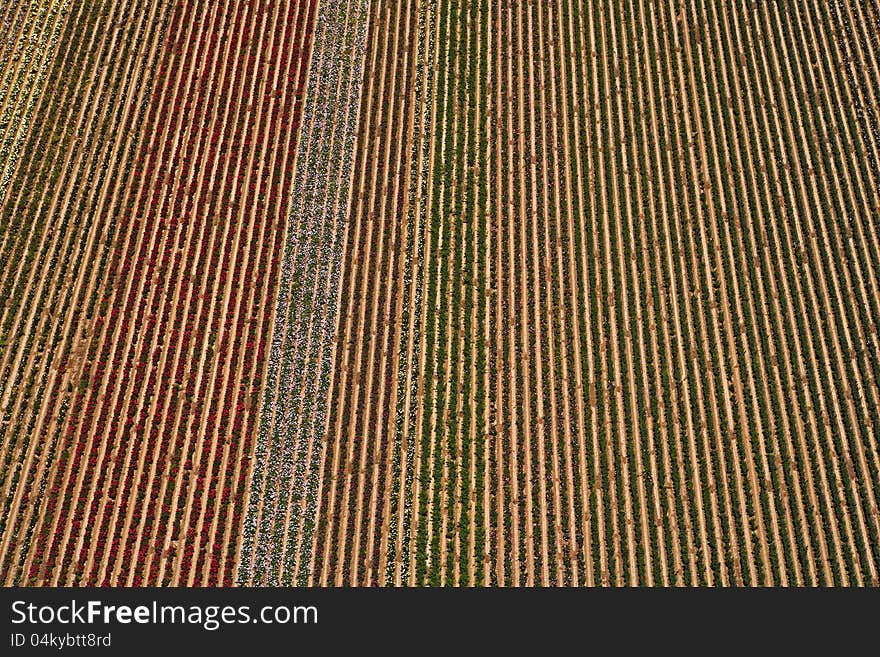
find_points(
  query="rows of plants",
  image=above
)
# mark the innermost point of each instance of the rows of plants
(133, 472)
(398, 557)
(69, 241)
(24, 243)
(735, 470)
(252, 199)
(856, 27)
(860, 131)
(543, 286)
(756, 279)
(749, 533)
(362, 425)
(783, 557)
(773, 254)
(372, 285)
(777, 209)
(653, 547)
(578, 310)
(770, 205)
(434, 432)
(833, 226)
(130, 313)
(743, 495)
(368, 525)
(276, 549)
(710, 385)
(185, 281)
(23, 83)
(280, 204)
(290, 120)
(178, 339)
(205, 420)
(578, 293)
(103, 218)
(15, 444)
(764, 414)
(273, 198)
(597, 216)
(33, 35)
(759, 348)
(634, 181)
(476, 323)
(730, 466)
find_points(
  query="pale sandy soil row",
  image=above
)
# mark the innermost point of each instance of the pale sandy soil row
(399, 554)
(430, 72)
(451, 442)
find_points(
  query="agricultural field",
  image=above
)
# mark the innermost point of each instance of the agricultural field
(439, 293)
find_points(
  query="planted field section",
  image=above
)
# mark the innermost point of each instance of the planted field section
(363, 505)
(56, 226)
(145, 482)
(562, 293)
(609, 299)
(30, 30)
(278, 531)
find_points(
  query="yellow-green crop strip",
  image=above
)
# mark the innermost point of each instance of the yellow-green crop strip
(23, 67)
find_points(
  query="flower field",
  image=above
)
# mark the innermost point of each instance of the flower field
(439, 293)
(164, 339)
(608, 307)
